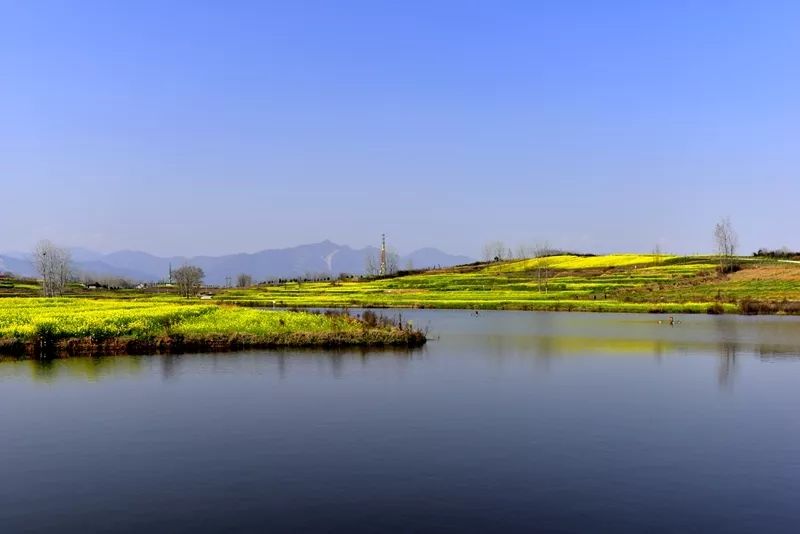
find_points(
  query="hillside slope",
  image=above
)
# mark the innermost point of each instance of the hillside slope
(622, 282)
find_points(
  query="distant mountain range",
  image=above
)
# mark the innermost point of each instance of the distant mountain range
(317, 258)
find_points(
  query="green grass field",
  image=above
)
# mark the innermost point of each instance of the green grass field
(621, 282)
(612, 283)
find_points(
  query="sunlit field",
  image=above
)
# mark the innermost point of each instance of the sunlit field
(38, 320)
(612, 283)
(102, 319)
(623, 283)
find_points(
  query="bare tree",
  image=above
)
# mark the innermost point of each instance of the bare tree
(500, 251)
(657, 254)
(244, 280)
(392, 262)
(726, 242)
(542, 252)
(53, 265)
(486, 252)
(188, 279)
(525, 252)
(495, 251)
(372, 263)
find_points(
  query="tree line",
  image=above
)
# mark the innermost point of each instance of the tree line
(52, 263)
(726, 244)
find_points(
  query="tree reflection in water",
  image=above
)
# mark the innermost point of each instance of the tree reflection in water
(540, 338)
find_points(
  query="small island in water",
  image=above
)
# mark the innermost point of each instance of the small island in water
(83, 319)
(75, 326)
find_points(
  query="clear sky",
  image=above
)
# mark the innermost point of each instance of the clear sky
(217, 127)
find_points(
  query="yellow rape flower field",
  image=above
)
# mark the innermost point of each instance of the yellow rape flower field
(610, 283)
(109, 325)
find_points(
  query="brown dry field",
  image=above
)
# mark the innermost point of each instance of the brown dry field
(788, 272)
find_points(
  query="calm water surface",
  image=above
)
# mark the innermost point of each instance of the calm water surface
(506, 422)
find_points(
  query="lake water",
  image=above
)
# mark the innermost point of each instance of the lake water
(505, 421)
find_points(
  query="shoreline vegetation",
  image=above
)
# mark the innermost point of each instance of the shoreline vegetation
(635, 283)
(71, 326)
(156, 319)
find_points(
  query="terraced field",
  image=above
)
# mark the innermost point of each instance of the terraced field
(622, 282)
(619, 282)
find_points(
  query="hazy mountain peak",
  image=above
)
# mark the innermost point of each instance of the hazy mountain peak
(325, 257)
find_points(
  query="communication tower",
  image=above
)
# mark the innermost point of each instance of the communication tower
(383, 255)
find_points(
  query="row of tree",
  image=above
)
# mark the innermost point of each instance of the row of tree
(726, 242)
(498, 251)
(53, 263)
(781, 253)
(189, 279)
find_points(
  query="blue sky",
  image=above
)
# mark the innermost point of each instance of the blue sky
(218, 127)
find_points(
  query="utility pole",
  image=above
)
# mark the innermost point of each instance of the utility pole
(383, 255)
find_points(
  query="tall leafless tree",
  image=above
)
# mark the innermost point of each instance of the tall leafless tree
(657, 253)
(542, 252)
(244, 280)
(500, 251)
(371, 265)
(392, 262)
(53, 265)
(726, 241)
(495, 251)
(525, 252)
(189, 279)
(486, 252)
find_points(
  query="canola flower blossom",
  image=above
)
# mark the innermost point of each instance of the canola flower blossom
(28, 318)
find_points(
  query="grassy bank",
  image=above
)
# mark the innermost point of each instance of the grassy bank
(611, 283)
(33, 326)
